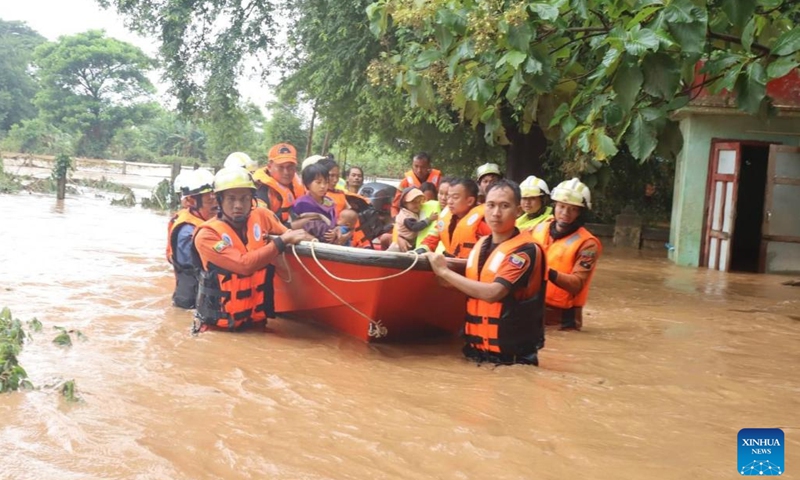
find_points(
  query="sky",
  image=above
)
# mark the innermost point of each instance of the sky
(53, 18)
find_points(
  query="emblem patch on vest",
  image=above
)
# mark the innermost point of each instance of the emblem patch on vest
(220, 246)
(516, 260)
(257, 231)
(227, 239)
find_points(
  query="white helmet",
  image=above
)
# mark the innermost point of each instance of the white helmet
(242, 160)
(573, 192)
(486, 169)
(179, 184)
(198, 182)
(233, 177)
(533, 187)
(312, 160)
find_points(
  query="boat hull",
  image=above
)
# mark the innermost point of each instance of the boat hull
(407, 307)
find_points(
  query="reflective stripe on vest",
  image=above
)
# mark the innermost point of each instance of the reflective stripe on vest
(225, 299)
(465, 235)
(561, 256)
(515, 324)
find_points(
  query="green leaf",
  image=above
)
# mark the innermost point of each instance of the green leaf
(444, 37)
(559, 114)
(603, 146)
(751, 87)
(628, 84)
(781, 67)
(721, 62)
(639, 41)
(611, 56)
(680, 11)
(787, 43)
(662, 76)
(515, 86)
(643, 14)
(520, 36)
(612, 114)
(569, 124)
(546, 12)
(533, 66)
(739, 12)
(690, 36)
(748, 33)
(478, 89)
(727, 81)
(513, 58)
(378, 18)
(426, 58)
(670, 141)
(487, 114)
(640, 138)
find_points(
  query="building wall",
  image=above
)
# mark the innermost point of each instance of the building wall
(691, 172)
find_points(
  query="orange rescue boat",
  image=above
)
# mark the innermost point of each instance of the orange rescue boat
(369, 294)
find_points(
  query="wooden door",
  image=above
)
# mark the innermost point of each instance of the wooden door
(723, 186)
(780, 240)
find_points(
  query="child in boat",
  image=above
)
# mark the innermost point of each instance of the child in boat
(348, 220)
(407, 223)
(317, 208)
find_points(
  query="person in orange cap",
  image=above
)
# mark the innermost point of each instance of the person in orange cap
(278, 184)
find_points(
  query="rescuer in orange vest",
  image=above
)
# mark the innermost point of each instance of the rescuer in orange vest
(572, 254)
(278, 184)
(460, 227)
(234, 249)
(200, 205)
(504, 283)
(420, 173)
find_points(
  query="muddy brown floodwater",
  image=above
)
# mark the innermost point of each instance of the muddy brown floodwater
(672, 363)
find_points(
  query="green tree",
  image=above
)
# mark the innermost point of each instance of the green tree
(17, 84)
(591, 74)
(93, 85)
(330, 49)
(285, 125)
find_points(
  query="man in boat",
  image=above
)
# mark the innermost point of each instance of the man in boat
(505, 286)
(234, 249)
(487, 174)
(572, 254)
(278, 184)
(200, 204)
(461, 225)
(534, 203)
(355, 179)
(420, 173)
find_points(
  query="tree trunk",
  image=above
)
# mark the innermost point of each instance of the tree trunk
(176, 169)
(62, 188)
(309, 145)
(326, 142)
(525, 155)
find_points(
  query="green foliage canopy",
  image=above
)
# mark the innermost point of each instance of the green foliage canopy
(591, 73)
(17, 84)
(94, 85)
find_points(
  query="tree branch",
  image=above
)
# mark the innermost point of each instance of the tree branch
(734, 39)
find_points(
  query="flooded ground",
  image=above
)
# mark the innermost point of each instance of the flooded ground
(672, 363)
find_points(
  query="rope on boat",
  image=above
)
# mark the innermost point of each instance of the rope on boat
(361, 280)
(376, 328)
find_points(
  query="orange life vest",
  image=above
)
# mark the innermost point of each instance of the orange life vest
(465, 236)
(185, 292)
(225, 299)
(339, 200)
(278, 198)
(515, 324)
(434, 177)
(561, 256)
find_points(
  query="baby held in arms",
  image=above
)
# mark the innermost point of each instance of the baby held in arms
(348, 220)
(407, 223)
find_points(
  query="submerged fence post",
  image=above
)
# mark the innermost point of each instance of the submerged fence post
(61, 168)
(628, 229)
(174, 199)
